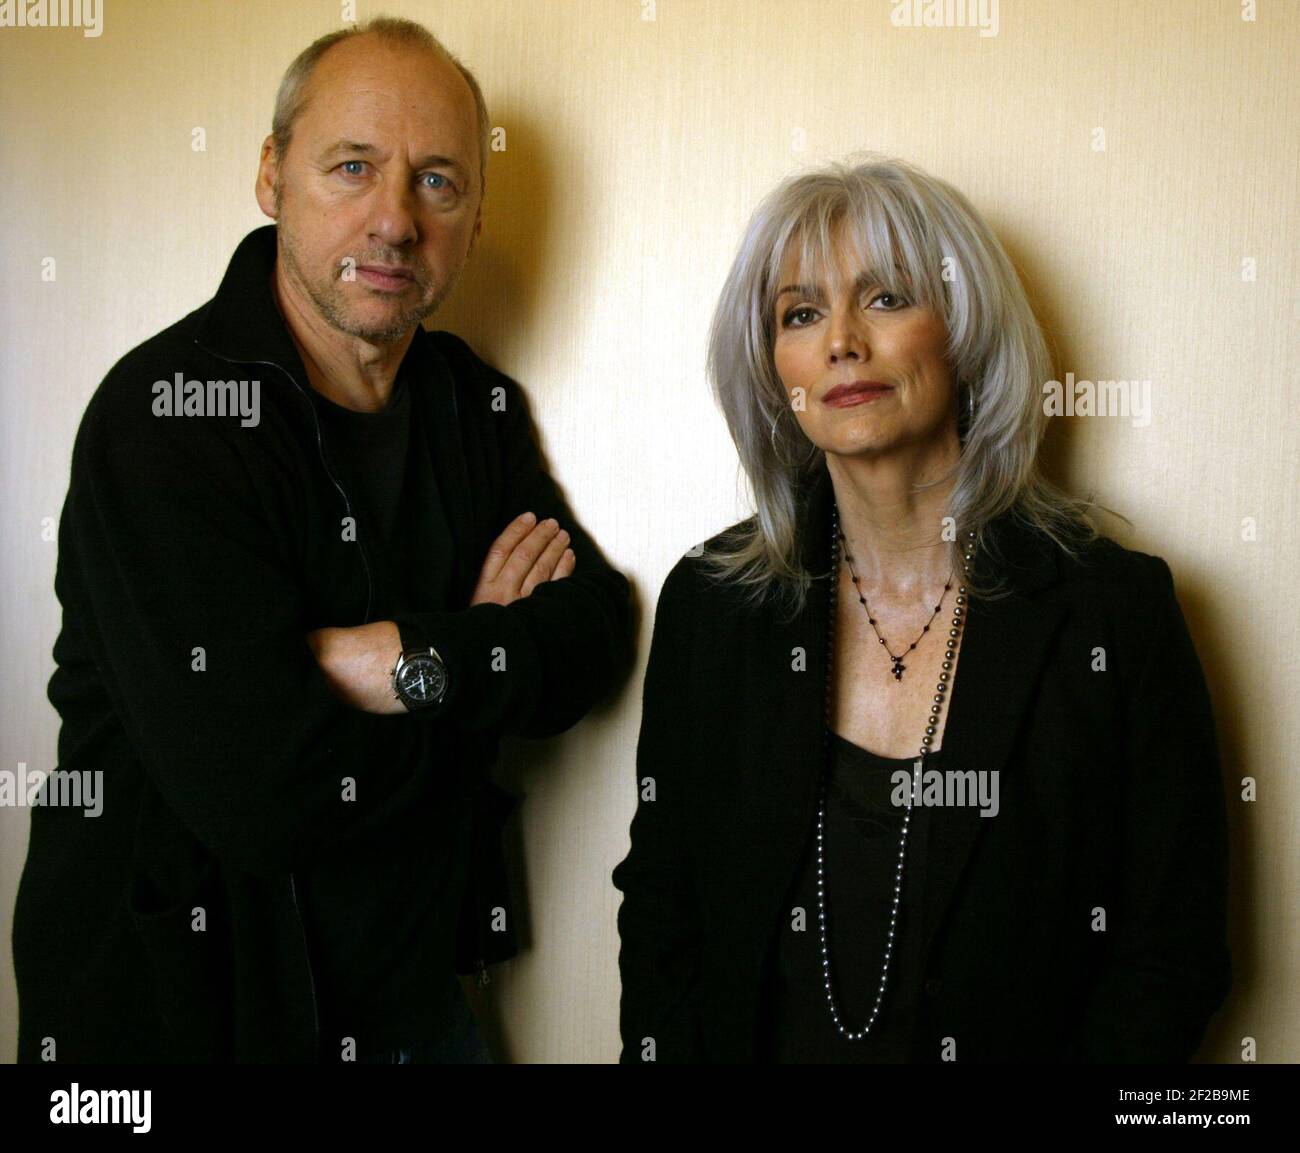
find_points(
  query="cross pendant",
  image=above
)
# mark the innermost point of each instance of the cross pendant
(898, 668)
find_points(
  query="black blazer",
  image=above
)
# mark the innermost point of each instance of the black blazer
(1110, 798)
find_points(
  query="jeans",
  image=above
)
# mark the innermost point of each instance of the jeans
(461, 1044)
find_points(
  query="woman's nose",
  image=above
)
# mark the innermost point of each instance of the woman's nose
(845, 339)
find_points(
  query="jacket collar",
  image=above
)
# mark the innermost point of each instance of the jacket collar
(243, 321)
(1003, 648)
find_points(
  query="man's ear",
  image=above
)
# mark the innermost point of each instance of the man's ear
(268, 176)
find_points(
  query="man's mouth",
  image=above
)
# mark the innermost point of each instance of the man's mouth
(387, 278)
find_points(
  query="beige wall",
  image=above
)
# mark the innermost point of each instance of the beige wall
(635, 149)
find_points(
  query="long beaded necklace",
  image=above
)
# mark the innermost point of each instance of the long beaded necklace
(940, 694)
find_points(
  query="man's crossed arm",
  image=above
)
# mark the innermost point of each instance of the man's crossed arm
(358, 662)
(177, 566)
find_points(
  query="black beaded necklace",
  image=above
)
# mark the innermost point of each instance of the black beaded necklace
(940, 694)
(899, 668)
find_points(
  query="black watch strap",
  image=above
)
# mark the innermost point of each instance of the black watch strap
(416, 644)
(412, 638)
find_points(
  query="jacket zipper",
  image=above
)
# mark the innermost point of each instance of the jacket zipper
(324, 459)
(311, 977)
(347, 505)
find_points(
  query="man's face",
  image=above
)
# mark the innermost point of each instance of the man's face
(377, 196)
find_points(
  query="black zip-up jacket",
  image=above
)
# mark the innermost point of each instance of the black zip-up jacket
(195, 553)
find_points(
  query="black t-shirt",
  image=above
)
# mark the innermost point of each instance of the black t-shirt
(382, 910)
(389, 478)
(860, 850)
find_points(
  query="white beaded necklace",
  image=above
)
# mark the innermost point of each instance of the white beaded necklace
(940, 694)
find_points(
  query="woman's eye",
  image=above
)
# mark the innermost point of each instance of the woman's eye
(899, 302)
(789, 316)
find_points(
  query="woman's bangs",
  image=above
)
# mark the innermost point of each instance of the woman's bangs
(868, 239)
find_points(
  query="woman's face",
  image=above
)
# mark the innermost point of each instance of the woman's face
(865, 371)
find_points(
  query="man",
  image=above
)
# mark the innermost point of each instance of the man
(311, 569)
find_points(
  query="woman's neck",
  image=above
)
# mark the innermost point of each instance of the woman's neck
(895, 534)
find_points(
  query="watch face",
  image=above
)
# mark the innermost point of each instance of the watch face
(422, 679)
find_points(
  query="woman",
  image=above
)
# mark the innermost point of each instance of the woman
(927, 765)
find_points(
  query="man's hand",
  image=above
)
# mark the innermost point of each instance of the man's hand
(521, 558)
(358, 661)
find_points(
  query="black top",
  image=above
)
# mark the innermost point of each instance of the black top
(860, 850)
(381, 911)
(395, 498)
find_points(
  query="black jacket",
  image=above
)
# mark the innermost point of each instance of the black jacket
(1111, 798)
(194, 533)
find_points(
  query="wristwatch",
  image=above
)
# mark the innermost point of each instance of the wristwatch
(420, 678)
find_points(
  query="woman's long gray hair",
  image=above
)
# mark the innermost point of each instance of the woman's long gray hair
(921, 239)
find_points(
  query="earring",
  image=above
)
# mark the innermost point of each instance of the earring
(970, 402)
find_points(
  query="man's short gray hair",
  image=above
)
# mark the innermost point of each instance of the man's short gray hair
(292, 96)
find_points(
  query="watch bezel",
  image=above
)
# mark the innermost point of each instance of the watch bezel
(423, 656)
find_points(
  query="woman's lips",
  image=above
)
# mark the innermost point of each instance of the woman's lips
(845, 396)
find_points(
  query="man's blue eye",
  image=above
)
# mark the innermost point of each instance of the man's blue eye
(347, 162)
(436, 176)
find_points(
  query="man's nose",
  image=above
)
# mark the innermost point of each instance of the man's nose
(392, 220)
